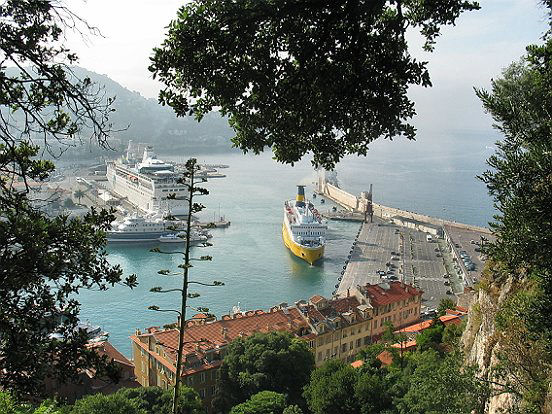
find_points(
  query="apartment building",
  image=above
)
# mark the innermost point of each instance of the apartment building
(339, 327)
(155, 350)
(334, 328)
(394, 302)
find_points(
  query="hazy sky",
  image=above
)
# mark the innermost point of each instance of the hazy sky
(469, 54)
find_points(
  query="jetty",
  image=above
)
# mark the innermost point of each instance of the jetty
(441, 257)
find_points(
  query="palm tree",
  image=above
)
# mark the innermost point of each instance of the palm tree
(79, 194)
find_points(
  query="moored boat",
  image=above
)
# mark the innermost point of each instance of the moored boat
(303, 231)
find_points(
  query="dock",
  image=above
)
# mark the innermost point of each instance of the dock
(394, 244)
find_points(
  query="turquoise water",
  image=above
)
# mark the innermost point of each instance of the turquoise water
(433, 176)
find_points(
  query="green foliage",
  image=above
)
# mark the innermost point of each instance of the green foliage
(520, 182)
(106, 404)
(444, 304)
(292, 409)
(326, 77)
(330, 389)
(155, 400)
(431, 338)
(44, 261)
(440, 385)
(264, 402)
(273, 362)
(370, 355)
(452, 334)
(336, 387)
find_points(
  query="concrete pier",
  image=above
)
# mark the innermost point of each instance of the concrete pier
(413, 248)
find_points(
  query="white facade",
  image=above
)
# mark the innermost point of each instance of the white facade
(147, 184)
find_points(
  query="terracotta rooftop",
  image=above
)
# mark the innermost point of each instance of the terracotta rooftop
(208, 337)
(344, 304)
(405, 346)
(397, 291)
(105, 348)
(357, 364)
(419, 327)
(316, 299)
(386, 358)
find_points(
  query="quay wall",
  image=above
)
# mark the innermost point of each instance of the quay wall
(354, 203)
(340, 196)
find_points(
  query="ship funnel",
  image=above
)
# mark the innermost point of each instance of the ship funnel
(300, 198)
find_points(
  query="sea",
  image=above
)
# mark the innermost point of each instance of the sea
(435, 175)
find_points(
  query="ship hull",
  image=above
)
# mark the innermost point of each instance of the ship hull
(310, 255)
(135, 237)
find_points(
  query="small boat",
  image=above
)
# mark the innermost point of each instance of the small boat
(313, 195)
(322, 201)
(197, 237)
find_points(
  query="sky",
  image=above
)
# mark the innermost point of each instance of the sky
(467, 55)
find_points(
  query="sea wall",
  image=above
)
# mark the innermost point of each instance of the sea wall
(355, 203)
(340, 196)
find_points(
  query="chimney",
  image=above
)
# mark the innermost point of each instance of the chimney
(300, 198)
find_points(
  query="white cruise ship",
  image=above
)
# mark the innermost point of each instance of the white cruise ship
(145, 181)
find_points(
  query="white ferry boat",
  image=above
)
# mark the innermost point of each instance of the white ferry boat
(135, 228)
(303, 231)
(147, 181)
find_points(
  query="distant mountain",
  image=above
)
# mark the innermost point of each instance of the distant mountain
(150, 122)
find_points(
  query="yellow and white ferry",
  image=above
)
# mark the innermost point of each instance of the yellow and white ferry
(303, 231)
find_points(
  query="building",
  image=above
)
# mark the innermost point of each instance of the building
(394, 302)
(412, 330)
(334, 328)
(339, 327)
(155, 350)
(89, 383)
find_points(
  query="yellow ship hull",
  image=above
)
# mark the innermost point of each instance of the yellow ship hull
(310, 255)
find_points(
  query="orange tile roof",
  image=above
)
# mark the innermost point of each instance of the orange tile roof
(419, 327)
(357, 363)
(405, 346)
(386, 358)
(316, 298)
(220, 333)
(105, 348)
(397, 291)
(448, 319)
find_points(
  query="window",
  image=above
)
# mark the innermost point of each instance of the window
(202, 377)
(190, 380)
(358, 342)
(311, 344)
(202, 393)
(213, 390)
(366, 340)
(344, 348)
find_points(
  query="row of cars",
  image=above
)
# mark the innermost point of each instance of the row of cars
(389, 274)
(467, 260)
